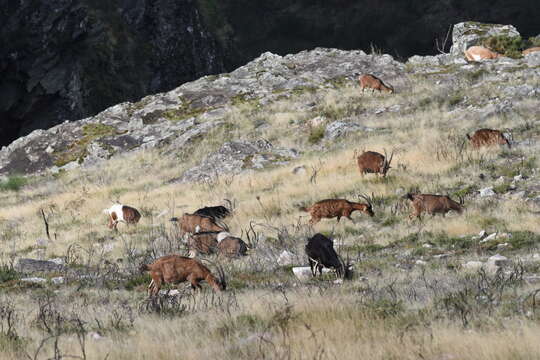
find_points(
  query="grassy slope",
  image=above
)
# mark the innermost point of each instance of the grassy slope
(374, 315)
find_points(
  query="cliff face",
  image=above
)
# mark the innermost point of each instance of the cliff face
(69, 59)
(401, 28)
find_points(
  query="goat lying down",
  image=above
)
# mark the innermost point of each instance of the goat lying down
(210, 242)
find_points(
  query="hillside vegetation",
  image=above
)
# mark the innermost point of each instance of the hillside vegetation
(421, 288)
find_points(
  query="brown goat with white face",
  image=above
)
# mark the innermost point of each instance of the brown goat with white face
(331, 208)
(174, 269)
(369, 81)
(190, 223)
(488, 137)
(374, 162)
(478, 53)
(432, 204)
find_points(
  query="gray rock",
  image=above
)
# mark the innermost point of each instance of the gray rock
(472, 265)
(57, 280)
(487, 192)
(340, 128)
(32, 265)
(498, 260)
(286, 258)
(299, 170)
(467, 34)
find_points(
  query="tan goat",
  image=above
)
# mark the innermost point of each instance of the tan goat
(478, 53)
(331, 208)
(530, 50)
(369, 81)
(190, 223)
(374, 162)
(487, 137)
(174, 269)
(432, 204)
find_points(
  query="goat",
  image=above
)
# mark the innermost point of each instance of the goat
(191, 223)
(230, 246)
(373, 162)
(320, 252)
(174, 269)
(478, 53)
(215, 212)
(374, 83)
(122, 213)
(432, 204)
(488, 137)
(331, 208)
(530, 50)
(203, 242)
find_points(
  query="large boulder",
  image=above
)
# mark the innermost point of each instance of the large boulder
(27, 266)
(469, 33)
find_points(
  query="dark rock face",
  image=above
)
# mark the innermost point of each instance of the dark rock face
(68, 59)
(247, 28)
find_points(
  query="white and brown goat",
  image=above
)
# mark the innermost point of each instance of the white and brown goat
(122, 213)
(331, 208)
(479, 53)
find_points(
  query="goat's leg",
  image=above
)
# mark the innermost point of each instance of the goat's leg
(312, 266)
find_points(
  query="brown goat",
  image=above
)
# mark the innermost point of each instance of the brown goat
(432, 204)
(372, 82)
(530, 50)
(331, 208)
(478, 53)
(230, 246)
(373, 162)
(190, 223)
(487, 137)
(203, 243)
(174, 269)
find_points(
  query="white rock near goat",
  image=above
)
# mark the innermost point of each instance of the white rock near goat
(286, 258)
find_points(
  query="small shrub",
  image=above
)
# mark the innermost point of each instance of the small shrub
(506, 45)
(13, 183)
(7, 273)
(316, 134)
(524, 239)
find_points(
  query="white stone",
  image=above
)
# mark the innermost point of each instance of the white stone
(489, 238)
(286, 258)
(35, 280)
(302, 273)
(94, 335)
(299, 170)
(427, 246)
(502, 246)
(518, 177)
(472, 265)
(498, 260)
(487, 192)
(57, 280)
(421, 263)
(57, 261)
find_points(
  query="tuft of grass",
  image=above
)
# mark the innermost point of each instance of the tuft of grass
(316, 134)
(13, 183)
(506, 45)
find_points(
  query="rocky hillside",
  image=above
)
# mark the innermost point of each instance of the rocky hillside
(68, 59)
(172, 120)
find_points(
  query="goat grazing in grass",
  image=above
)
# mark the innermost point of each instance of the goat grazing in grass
(332, 208)
(190, 223)
(432, 204)
(215, 212)
(122, 213)
(374, 162)
(488, 137)
(320, 252)
(231, 246)
(203, 243)
(478, 53)
(369, 81)
(174, 269)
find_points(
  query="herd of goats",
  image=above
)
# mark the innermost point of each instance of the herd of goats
(207, 234)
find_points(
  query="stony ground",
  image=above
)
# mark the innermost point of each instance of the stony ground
(275, 135)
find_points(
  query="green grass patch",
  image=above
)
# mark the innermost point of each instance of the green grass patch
(13, 183)
(316, 134)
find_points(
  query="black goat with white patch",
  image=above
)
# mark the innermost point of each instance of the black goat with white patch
(321, 253)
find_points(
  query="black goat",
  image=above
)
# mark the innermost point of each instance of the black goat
(321, 253)
(214, 212)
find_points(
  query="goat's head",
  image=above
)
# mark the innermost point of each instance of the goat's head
(387, 161)
(503, 140)
(368, 207)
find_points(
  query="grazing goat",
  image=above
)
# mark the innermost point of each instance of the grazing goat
(320, 252)
(215, 212)
(230, 246)
(374, 83)
(203, 243)
(373, 162)
(174, 269)
(122, 213)
(487, 137)
(331, 208)
(190, 223)
(432, 204)
(478, 53)
(530, 50)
